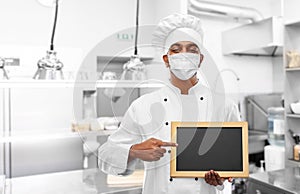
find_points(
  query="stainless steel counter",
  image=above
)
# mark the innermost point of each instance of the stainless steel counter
(280, 181)
(69, 182)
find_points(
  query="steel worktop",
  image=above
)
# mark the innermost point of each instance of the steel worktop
(285, 181)
(68, 182)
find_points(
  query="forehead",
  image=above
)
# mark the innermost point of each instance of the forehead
(184, 44)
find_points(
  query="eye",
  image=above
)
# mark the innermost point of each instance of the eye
(193, 51)
(175, 50)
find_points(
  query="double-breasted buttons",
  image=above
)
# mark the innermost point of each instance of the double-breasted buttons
(201, 98)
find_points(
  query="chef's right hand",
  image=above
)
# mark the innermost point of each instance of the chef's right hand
(150, 150)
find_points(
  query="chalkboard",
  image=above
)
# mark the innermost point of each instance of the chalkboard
(204, 146)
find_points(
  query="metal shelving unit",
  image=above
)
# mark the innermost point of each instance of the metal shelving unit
(292, 77)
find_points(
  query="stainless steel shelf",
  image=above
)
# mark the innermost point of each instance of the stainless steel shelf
(291, 162)
(81, 84)
(293, 23)
(297, 116)
(293, 69)
(129, 84)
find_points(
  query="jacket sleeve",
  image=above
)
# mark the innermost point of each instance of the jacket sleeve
(113, 155)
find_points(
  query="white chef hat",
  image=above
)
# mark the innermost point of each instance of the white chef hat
(177, 27)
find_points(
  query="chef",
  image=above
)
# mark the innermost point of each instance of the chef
(144, 133)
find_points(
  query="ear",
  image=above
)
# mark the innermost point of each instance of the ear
(166, 60)
(201, 59)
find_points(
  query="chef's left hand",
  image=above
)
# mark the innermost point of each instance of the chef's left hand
(213, 178)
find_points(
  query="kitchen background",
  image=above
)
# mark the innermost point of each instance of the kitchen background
(37, 117)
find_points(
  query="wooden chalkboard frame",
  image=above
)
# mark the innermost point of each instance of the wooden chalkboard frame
(198, 174)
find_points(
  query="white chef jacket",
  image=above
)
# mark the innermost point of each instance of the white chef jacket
(151, 116)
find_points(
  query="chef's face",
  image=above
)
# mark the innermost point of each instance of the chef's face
(182, 47)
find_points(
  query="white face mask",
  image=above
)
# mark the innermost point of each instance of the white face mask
(184, 65)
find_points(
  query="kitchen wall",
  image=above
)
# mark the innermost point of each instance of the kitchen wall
(82, 24)
(256, 73)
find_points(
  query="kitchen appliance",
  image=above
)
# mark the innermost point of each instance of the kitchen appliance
(256, 114)
(262, 38)
(50, 67)
(274, 157)
(209, 8)
(276, 126)
(134, 69)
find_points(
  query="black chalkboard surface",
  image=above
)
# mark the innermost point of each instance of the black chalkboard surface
(204, 146)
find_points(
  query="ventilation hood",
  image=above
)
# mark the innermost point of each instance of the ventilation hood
(262, 38)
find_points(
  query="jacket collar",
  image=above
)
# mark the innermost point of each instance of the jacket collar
(192, 91)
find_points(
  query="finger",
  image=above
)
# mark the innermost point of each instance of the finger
(217, 175)
(214, 178)
(206, 177)
(230, 179)
(209, 176)
(161, 150)
(158, 154)
(155, 141)
(168, 144)
(219, 179)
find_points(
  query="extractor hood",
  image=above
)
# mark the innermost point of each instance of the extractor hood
(262, 38)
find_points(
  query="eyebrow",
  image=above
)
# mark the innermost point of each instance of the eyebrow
(192, 44)
(187, 45)
(175, 44)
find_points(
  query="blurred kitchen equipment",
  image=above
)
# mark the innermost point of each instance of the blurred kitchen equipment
(80, 126)
(90, 152)
(297, 146)
(257, 117)
(261, 168)
(109, 123)
(112, 93)
(110, 107)
(197, 7)
(134, 69)
(3, 74)
(265, 38)
(276, 126)
(295, 107)
(50, 67)
(295, 136)
(274, 157)
(109, 75)
(256, 109)
(293, 58)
